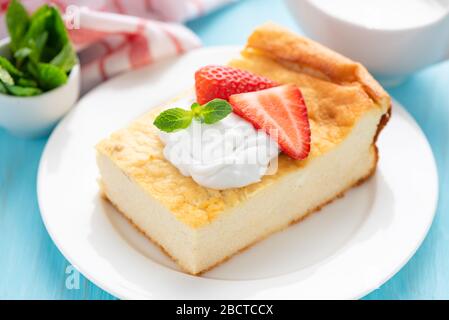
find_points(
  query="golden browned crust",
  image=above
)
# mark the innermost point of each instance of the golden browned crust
(315, 59)
(383, 122)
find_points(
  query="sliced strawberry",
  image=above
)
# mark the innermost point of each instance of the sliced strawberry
(282, 113)
(214, 81)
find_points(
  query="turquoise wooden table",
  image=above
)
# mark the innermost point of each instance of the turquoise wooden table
(32, 267)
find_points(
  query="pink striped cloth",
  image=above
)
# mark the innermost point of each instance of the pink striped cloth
(113, 36)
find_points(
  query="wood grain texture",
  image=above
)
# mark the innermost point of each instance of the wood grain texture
(31, 267)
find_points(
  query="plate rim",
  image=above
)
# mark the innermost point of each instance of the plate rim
(111, 289)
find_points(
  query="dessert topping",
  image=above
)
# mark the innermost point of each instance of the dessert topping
(229, 153)
(282, 113)
(215, 81)
(175, 119)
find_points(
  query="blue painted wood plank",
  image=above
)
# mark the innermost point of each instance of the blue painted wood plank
(31, 267)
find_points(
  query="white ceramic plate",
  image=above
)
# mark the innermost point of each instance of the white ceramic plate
(345, 251)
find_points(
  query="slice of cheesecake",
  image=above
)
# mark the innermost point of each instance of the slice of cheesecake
(200, 227)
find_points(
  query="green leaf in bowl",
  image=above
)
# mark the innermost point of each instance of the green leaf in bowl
(66, 59)
(57, 36)
(31, 69)
(50, 76)
(8, 66)
(24, 82)
(23, 91)
(38, 46)
(3, 88)
(59, 28)
(21, 54)
(17, 21)
(37, 34)
(5, 77)
(41, 50)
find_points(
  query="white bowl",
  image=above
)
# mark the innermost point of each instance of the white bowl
(36, 116)
(390, 54)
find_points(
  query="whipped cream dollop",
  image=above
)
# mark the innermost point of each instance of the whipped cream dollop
(228, 154)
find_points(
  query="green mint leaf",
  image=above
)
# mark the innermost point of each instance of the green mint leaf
(58, 37)
(215, 111)
(36, 37)
(5, 77)
(196, 109)
(65, 59)
(23, 91)
(50, 76)
(24, 82)
(40, 22)
(35, 40)
(59, 29)
(3, 88)
(38, 46)
(31, 68)
(17, 21)
(21, 54)
(8, 66)
(173, 119)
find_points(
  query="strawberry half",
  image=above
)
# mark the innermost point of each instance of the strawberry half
(282, 113)
(214, 81)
